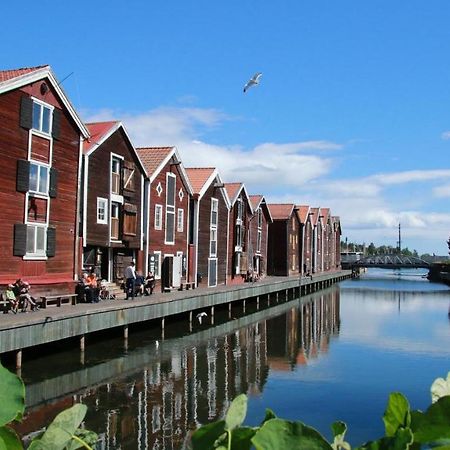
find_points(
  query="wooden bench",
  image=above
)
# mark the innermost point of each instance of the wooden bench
(58, 300)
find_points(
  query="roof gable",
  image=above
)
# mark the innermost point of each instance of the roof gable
(18, 78)
(302, 212)
(281, 211)
(259, 201)
(200, 177)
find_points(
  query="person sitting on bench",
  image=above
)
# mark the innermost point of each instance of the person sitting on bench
(26, 299)
(149, 284)
(11, 297)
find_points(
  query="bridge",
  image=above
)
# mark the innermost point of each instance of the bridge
(395, 261)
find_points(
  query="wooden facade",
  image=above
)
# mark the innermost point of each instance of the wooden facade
(259, 230)
(112, 213)
(306, 236)
(209, 209)
(241, 212)
(284, 244)
(167, 198)
(40, 142)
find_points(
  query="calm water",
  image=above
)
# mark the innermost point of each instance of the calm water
(333, 355)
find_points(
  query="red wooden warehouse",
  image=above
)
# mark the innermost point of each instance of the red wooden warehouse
(40, 142)
(113, 181)
(167, 197)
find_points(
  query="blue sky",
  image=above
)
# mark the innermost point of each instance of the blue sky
(351, 113)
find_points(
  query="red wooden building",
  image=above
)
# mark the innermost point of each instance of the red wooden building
(209, 232)
(306, 235)
(113, 182)
(259, 229)
(167, 199)
(40, 143)
(241, 212)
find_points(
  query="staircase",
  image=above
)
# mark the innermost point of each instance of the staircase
(114, 289)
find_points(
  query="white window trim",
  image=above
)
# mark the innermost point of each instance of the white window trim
(160, 208)
(180, 220)
(212, 259)
(51, 108)
(45, 166)
(158, 277)
(214, 203)
(36, 255)
(169, 208)
(111, 239)
(114, 197)
(105, 201)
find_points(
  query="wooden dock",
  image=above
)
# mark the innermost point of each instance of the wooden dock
(21, 331)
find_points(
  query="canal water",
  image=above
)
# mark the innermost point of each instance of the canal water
(332, 355)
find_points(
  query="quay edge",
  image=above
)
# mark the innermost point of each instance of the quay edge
(79, 321)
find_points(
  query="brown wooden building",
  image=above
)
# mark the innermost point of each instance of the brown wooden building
(241, 212)
(306, 236)
(40, 143)
(259, 229)
(209, 231)
(113, 182)
(167, 198)
(284, 247)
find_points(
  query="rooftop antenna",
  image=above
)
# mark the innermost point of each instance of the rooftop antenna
(65, 78)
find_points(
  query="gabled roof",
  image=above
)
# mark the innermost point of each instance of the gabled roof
(302, 212)
(17, 78)
(100, 132)
(155, 159)
(257, 201)
(325, 212)
(233, 190)
(314, 215)
(281, 211)
(200, 177)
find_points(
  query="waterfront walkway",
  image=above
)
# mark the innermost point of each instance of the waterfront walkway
(24, 330)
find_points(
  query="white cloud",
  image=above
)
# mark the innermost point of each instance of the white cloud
(445, 135)
(409, 176)
(442, 191)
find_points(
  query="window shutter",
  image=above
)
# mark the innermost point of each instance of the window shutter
(26, 113)
(51, 241)
(52, 190)
(20, 239)
(23, 175)
(56, 126)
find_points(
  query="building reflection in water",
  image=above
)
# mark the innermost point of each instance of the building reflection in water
(156, 407)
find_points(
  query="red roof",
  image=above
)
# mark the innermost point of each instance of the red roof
(152, 157)
(232, 190)
(281, 211)
(325, 213)
(6, 75)
(198, 176)
(97, 130)
(302, 212)
(314, 215)
(255, 200)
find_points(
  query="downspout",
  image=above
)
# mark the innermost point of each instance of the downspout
(80, 196)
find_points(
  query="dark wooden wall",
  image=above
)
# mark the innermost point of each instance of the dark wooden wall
(204, 234)
(99, 179)
(277, 251)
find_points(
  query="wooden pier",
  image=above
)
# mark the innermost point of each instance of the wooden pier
(22, 331)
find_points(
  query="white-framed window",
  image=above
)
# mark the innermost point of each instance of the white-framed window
(170, 208)
(154, 264)
(213, 242)
(180, 220)
(115, 221)
(239, 210)
(102, 210)
(39, 178)
(214, 211)
(42, 117)
(260, 218)
(213, 227)
(116, 164)
(36, 240)
(158, 217)
(212, 272)
(258, 242)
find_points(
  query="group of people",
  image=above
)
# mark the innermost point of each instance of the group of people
(19, 297)
(136, 284)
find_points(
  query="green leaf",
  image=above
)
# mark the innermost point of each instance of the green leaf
(440, 388)
(241, 438)
(89, 437)
(401, 441)
(12, 397)
(339, 429)
(397, 414)
(282, 434)
(9, 439)
(269, 415)
(205, 437)
(434, 424)
(59, 432)
(236, 412)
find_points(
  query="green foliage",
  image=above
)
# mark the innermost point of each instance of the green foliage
(62, 434)
(404, 429)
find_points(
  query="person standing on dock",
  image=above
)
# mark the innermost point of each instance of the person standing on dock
(130, 276)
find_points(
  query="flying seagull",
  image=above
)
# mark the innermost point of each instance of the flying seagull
(254, 80)
(200, 317)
